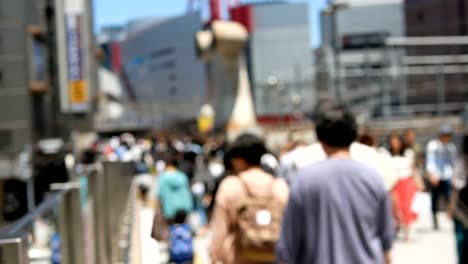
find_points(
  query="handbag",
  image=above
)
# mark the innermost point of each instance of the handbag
(160, 228)
(421, 203)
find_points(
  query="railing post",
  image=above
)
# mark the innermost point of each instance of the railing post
(95, 199)
(70, 224)
(14, 251)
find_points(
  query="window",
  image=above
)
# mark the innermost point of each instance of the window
(173, 91)
(421, 16)
(6, 139)
(172, 77)
(162, 52)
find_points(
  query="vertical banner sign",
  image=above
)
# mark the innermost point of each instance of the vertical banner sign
(77, 86)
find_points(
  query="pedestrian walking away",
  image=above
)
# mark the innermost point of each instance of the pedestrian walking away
(176, 202)
(249, 208)
(441, 156)
(339, 211)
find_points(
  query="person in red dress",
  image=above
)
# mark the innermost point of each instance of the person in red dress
(406, 187)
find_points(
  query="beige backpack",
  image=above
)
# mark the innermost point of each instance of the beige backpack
(258, 226)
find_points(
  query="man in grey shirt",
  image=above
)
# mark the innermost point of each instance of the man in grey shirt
(339, 211)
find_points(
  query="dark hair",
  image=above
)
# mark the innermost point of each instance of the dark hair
(249, 148)
(367, 139)
(180, 217)
(400, 138)
(171, 158)
(335, 126)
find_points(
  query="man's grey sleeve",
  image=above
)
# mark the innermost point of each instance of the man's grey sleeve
(292, 232)
(386, 224)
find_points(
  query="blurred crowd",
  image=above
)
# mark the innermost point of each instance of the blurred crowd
(261, 206)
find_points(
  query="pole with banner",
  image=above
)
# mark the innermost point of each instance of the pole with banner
(77, 85)
(74, 40)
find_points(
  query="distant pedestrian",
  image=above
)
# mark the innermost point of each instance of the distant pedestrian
(410, 142)
(176, 202)
(403, 161)
(174, 192)
(339, 211)
(458, 207)
(249, 208)
(441, 156)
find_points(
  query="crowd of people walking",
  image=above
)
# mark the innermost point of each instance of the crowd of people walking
(343, 199)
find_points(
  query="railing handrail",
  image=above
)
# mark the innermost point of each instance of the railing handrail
(14, 229)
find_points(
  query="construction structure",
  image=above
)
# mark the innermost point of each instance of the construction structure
(385, 64)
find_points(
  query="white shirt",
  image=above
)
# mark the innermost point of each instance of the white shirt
(306, 156)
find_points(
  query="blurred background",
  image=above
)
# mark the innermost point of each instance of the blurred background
(74, 74)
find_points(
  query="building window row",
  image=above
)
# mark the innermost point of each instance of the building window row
(141, 60)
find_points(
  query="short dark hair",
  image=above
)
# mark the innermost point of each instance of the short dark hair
(249, 148)
(170, 158)
(335, 126)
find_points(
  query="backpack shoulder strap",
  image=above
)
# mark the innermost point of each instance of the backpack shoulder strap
(248, 191)
(245, 186)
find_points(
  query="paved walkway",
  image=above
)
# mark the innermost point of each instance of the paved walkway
(428, 246)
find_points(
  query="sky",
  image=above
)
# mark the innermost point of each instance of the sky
(117, 12)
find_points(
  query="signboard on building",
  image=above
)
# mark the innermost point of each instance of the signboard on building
(364, 41)
(77, 85)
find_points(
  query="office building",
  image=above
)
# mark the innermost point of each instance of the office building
(356, 55)
(278, 56)
(22, 80)
(161, 69)
(438, 18)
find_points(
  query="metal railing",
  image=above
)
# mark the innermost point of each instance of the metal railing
(93, 218)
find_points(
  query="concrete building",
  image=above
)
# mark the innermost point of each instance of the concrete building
(163, 72)
(279, 57)
(22, 79)
(361, 30)
(438, 18)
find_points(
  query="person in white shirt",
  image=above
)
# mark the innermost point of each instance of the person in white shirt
(302, 157)
(441, 156)
(402, 160)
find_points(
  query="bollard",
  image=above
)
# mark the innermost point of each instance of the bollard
(14, 251)
(117, 180)
(108, 193)
(70, 224)
(95, 200)
(107, 196)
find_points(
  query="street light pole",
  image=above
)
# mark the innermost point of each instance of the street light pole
(333, 8)
(336, 59)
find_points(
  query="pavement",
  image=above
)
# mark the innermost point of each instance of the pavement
(426, 245)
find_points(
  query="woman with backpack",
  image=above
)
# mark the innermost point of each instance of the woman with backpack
(458, 206)
(249, 208)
